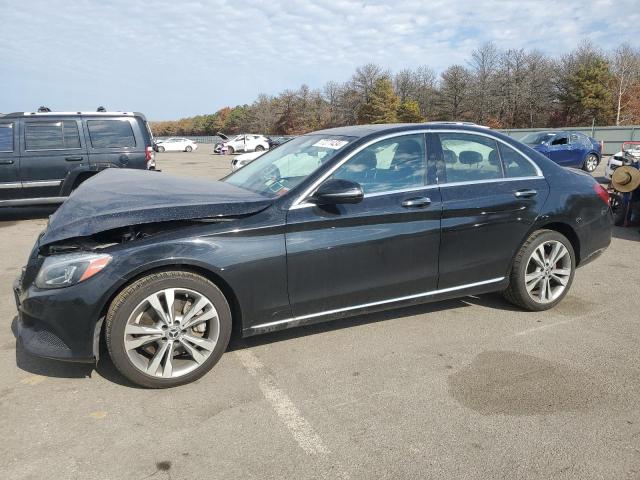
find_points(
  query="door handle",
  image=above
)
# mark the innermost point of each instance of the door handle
(6, 162)
(417, 202)
(76, 158)
(527, 193)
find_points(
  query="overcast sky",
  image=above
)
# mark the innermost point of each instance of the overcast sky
(171, 59)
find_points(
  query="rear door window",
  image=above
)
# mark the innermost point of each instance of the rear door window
(111, 133)
(470, 158)
(515, 165)
(51, 135)
(6, 137)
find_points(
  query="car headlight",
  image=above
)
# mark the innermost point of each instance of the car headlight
(65, 270)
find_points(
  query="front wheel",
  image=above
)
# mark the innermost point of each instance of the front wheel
(167, 329)
(161, 149)
(259, 148)
(542, 271)
(590, 163)
(188, 149)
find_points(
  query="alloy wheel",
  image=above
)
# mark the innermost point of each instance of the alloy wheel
(592, 163)
(171, 332)
(548, 271)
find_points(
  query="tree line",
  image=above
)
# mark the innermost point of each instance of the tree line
(512, 88)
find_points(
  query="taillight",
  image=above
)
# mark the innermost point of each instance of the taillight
(148, 153)
(602, 192)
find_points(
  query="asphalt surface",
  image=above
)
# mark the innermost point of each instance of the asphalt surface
(470, 388)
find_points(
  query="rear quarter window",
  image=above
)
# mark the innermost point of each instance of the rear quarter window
(6, 137)
(111, 133)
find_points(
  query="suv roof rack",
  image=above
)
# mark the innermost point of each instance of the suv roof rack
(74, 113)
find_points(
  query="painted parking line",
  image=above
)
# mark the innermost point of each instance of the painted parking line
(300, 428)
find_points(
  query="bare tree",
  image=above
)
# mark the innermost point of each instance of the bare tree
(454, 93)
(625, 67)
(484, 64)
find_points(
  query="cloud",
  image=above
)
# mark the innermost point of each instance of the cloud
(171, 59)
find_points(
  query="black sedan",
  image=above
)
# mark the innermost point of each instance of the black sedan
(330, 224)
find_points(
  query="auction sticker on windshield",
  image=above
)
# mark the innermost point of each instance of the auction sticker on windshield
(330, 143)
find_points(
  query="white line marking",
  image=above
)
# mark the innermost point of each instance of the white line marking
(544, 327)
(299, 427)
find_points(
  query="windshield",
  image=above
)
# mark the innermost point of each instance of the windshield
(283, 168)
(537, 138)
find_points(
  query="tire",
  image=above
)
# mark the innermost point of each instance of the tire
(618, 209)
(525, 270)
(230, 150)
(191, 355)
(161, 149)
(188, 149)
(259, 148)
(591, 163)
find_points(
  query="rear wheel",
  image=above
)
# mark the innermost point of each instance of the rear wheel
(188, 149)
(590, 163)
(259, 148)
(542, 271)
(167, 329)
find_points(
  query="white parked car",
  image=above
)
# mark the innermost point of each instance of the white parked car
(630, 153)
(241, 160)
(176, 144)
(245, 142)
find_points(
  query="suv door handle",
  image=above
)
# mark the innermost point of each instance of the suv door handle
(6, 162)
(526, 193)
(417, 202)
(76, 158)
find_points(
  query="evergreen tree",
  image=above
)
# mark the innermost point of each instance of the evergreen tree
(382, 104)
(409, 112)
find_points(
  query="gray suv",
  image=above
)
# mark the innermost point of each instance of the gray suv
(45, 155)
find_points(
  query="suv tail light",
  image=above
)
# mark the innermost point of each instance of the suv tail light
(148, 153)
(150, 157)
(602, 192)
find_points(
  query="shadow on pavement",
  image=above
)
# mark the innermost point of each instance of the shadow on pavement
(106, 369)
(627, 233)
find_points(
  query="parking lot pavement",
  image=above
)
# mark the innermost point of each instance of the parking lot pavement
(470, 388)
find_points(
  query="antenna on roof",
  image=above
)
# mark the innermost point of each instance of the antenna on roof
(101, 109)
(43, 109)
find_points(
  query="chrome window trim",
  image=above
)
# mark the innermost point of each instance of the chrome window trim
(299, 201)
(9, 185)
(380, 302)
(374, 194)
(488, 180)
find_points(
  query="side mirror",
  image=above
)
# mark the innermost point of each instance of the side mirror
(337, 191)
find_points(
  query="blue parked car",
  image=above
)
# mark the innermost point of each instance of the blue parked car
(569, 149)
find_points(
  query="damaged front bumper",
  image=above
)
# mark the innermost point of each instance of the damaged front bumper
(61, 324)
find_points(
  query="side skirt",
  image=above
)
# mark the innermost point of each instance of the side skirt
(492, 285)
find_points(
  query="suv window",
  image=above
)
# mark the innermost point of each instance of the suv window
(575, 138)
(392, 164)
(51, 135)
(470, 157)
(515, 165)
(6, 137)
(111, 133)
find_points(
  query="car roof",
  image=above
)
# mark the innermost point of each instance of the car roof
(361, 131)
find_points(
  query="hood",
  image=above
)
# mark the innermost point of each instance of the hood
(223, 136)
(117, 198)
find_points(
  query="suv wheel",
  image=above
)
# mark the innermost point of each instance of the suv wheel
(167, 329)
(542, 271)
